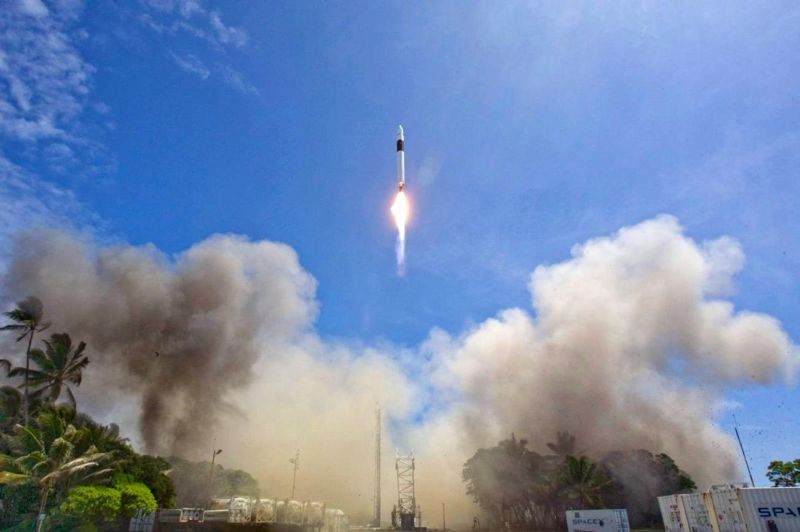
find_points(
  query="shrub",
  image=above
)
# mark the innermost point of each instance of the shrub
(135, 497)
(93, 503)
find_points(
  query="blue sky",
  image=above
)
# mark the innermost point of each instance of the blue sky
(529, 128)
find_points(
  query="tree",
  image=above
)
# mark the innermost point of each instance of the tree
(59, 365)
(135, 497)
(27, 318)
(44, 454)
(784, 474)
(93, 504)
(640, 477)
(584, 483)
(564, 445)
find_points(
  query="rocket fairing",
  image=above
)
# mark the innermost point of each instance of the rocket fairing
(401, 160)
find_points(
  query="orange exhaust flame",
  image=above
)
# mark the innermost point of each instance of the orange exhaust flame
(400, 211)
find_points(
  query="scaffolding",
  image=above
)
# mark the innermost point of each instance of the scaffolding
(406, 499)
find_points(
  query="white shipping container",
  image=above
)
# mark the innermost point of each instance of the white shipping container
(770, 509)
(694, 513)
(597, 521)
(724, 511)
(671, 513)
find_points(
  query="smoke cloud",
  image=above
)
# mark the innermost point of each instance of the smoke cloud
(179, 335)
(629, 344)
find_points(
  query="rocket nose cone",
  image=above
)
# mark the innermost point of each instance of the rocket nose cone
(399, 132)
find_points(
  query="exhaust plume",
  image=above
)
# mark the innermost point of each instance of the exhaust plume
(400, 211)
(629, 344)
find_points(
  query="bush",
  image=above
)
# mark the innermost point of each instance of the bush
(93, 503)
(135, 497)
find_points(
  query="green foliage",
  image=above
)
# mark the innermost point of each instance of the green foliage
(135, 496)
(58, 366)
(17, 502)
(191, 482)
(519, 487)
(92, 504)
(784, 474)
(150, 471)
(642, 477)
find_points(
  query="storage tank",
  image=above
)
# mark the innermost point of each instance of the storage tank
(219, 504)
(216, 516)
(693, 512)
(315, 513)
(671, 513)
(770, 509)
(335, 521)
(241, 508)
(264, 511)
(291, 512)
(724, 511)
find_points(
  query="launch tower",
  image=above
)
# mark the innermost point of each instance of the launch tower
(406, 499)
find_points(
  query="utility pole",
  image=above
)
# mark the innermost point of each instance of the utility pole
(214, 453)
(376, 518)
(746, 463)
(444, 522)
(296, 462)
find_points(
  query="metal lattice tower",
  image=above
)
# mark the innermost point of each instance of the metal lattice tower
(406, 499)
(376, 518)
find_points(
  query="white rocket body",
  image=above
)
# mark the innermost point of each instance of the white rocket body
(401, 160)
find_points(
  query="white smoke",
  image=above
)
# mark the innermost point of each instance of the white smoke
(629, 345)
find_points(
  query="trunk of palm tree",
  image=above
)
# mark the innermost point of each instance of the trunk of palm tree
(42, 506)
(27, 369)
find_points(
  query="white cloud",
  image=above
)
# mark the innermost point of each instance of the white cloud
(236, 80)
(34, 8)
(192, 65)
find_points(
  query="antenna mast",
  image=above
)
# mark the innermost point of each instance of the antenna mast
(746, 463)
(376, 518)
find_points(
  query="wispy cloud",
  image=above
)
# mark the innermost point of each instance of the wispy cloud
(234, 79)
(191, 17)
(191, 64)
(45, 87)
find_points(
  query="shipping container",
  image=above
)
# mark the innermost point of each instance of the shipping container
(724, 511)
(694, 513)
(770, 509)
(671, 513)
(598, 521)
(142, 522)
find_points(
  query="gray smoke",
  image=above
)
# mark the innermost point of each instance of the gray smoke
(178, 334)
(630, 347)
(630, 344)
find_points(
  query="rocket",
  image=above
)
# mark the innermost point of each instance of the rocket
(401, 160)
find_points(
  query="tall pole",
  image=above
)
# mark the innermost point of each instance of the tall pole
(444, 522)
(296, 462)
(746, 463)
(214, 453)
(376, 518)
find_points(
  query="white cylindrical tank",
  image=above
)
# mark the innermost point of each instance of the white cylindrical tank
(291, 512)
(770, 509)
(335, 521)
(671, 513)
(694, 513)
(315, 513)
(265, 511)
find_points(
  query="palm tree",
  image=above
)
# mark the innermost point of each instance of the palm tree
(46, 456)
(59, 365)
(27, 318)
(564, 445)
(584, 482)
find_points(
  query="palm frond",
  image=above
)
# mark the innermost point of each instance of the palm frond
(7, 477)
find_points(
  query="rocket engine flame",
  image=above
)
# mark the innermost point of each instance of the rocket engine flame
(400, 210)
